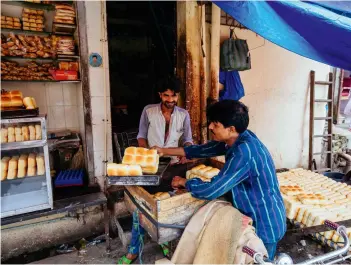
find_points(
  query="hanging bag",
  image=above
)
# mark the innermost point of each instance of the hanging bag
(234, 54)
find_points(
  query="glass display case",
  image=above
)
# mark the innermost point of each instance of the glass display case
(25, 169)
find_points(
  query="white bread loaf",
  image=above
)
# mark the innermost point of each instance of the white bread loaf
(32, 163)
(37, 132)
(40, 164)
(4, 135)
(25, 133)
(31, 132)
(22, 166)
(31, 171)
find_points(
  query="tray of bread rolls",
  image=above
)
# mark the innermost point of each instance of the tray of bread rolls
(13, 105)
(311, 198)
(139, 167)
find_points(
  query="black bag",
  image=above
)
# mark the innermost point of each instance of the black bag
(235, 55)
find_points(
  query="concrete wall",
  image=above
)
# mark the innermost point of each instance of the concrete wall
(99, 77)
(277, 94)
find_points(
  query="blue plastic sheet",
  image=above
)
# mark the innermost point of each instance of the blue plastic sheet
(320, 31)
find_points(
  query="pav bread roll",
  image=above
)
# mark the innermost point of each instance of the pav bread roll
(135, 170)
(128, 159)
(16, 93)
(4, 135)
(130, 150)
(25, 133)
(40, 164)
(16, 101)
(141, 151)
(37, 132)
(11, 130)
(31, 132)
(211, 173)
(5, 102)
(32, 160)
(114, 169)
(18, 134)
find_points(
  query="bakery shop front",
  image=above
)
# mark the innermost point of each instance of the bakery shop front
(50, 109)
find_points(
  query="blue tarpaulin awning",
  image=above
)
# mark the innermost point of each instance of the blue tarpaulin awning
(320, 31)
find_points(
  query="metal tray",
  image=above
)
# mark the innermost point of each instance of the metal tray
(145, 180)
(19, 113)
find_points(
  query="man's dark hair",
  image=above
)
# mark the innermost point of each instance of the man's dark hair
(170, 83)
(94, 56)
(229, 113)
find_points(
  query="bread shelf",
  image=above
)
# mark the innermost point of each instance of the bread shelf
(40, 6)
(43, 81)
(25, 32)
(58, 59)
(22, 145)
(24, 179)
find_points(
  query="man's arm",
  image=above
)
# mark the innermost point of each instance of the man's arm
(235, 170)
(187, 136)
(210, 149)
(143, 128)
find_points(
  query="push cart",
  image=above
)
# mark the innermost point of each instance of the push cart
(336, 256)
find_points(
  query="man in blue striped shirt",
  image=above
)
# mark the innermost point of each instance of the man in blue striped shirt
(248, 173)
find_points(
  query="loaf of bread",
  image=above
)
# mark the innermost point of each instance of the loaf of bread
(18, 134)
(32, 160)
(4, 167)
(22, 166)
(31, 171)
(146, 158)
(31, 132)
(114, 169)
(40, 164)
(25, 133)
(29, 103)
(4, 135)
(37, 132)
(12, 170)
(205, 173)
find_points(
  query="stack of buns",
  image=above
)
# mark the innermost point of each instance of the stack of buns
(205, 173)
(114, 169)
(11, 99)
(21, 133)
(10, 22)
(65, 14)
(146, 158)
(22, 166)
(311, 198)
(33, 19)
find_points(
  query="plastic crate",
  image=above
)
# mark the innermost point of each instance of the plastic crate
(69, 178)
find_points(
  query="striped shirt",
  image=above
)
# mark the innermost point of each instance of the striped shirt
(249, 174)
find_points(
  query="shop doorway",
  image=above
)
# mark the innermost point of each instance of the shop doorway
(142, 43)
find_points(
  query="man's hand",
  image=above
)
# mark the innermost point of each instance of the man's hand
(158, 149)
(183, 160)
(178, 182)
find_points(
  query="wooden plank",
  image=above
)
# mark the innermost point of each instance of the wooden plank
(84, 74)
(203, 76)
(145, 223)
(179, 214)
(330, 122)
(215, 47)
(145, 199)
(311, 133)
